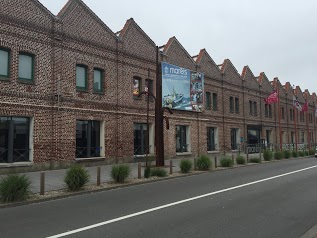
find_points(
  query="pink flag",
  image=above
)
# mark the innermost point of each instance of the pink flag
(272, 98)
(305, 107)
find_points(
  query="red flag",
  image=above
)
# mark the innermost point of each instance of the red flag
(272, 98)
(305, 107)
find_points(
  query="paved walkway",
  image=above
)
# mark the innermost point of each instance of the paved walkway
(54, 179)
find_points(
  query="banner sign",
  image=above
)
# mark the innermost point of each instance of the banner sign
(182, 89)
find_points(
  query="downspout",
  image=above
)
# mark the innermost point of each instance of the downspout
(223, 116)
(117, 100)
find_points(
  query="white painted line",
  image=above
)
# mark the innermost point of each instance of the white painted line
(174, 204)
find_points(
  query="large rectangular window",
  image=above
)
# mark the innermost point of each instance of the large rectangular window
(98, 76)
(208, 101)
(211, 138)
(181, 139)
(26, 67)
(14, 139)
(87, 139)
(234, 140)
(81, 77)
(140, 138)
(4, 63)
(214, 102)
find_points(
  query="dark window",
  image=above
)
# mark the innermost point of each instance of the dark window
(310, 118)
(149, 87)
(4, 63)
(255, 109)
(301, 117)
(282, 112)
(211, 146)
(234, 144)
(214, 102)
(292, 137)
(14, 139)
(136, 87)
(181, 139)
(302, 137)
(26, 67)
(208, 101)
(266, 110)
(87, 139)
(140, 138)
(81, 77)
(251, 107)
(231, 104)
(270, 111)
(291, 115)
(236, 105)
(98, 78)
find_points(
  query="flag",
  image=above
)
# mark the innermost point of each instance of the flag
(296, 104)
(305, 107)
(272, 98)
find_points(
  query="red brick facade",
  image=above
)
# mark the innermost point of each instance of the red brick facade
(76, 36)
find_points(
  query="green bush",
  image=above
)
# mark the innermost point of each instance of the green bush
(278, 155)
(147, 172)
(241, 160)
(294, 154)
(311, 152)
(159, 172)
(120, 172)
(186, 165)
(203, 163)
(14, 187)
(76, 177)
(301, 153)
(255, 160)
(226, 161)
(287, 154)
(306, 153)
(267, 155)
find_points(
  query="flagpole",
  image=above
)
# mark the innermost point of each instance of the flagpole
(279, 113)
(307, 125)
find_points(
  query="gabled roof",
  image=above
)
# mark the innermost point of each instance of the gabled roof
(265, 83)
(277, 85)
(202, 53)
(129, 23)
(43, 8)
(299, 94)
(248, 76)
(68, 7)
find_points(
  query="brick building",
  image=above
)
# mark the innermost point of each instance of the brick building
(69, 90)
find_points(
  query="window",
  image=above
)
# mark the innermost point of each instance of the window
(270, 111)
(310, 118)
(81, 77)
(211, 138)
(311, 137)
(301, 117)
(255, 108)
(98, 76)
(237, 104)
(182, 139)
(234, 138)
(302, 137)
(214, 102)
(208, 101)
(282, 112)
(149, 87)
(136, 87)
(231, 104)
(292, 137)
(14, 139)
(87, 139)
(251, 107)
(140, 138)
(291, 114)
(266, 110)
(4, 63)
(26, 67)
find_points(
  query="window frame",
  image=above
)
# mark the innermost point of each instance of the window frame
(236, 105)
(8, 60)
(79, 88)
(214, 102)
(102, 73)
(231, 106)
(211, 146)
(27, 80)
(208, 101)
(139, 87)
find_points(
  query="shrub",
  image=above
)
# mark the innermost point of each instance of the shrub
(14, 187)
(255, 160)
(226, 162)
(278, 155)
(301, 153)
(287, 154)
(147, 172)
(76, 177)
(203, 163)
(159, 172)
(306, 153)
(241, 160)
(294, 154)
(120, 172)
(186, 165)
(267, 155)
(311, 152)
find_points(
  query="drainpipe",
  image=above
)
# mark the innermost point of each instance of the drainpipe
(223, 116)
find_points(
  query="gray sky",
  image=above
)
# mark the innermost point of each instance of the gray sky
(278, 37)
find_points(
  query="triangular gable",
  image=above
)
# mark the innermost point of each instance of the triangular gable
(230, 73)
(289, 90)
(299, 94)
(28, 11)
(265, 83)
(249, 78)
(207, 65)
(136, 41)
(81, 22)
(308, 97)
(277, 85)
(177, 55)
(314, 98)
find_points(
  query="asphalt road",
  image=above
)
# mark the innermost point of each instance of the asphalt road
(267, 200)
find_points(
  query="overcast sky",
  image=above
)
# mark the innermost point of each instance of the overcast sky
(278, 37)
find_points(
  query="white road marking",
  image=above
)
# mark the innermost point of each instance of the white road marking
(174, 204)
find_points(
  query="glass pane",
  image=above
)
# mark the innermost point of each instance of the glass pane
(97, 80)
(4, 135)
(4, 62)
(95, 139)
(136, 87)
(20, 139)
(81, 139)
(25, 66)
(140, 133)
(80, 77)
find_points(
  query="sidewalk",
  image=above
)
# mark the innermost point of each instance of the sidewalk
(54, 179)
